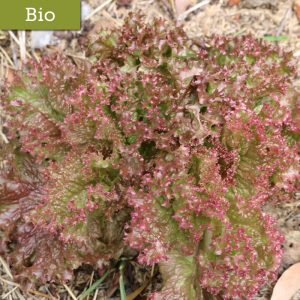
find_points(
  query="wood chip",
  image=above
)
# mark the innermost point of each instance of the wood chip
(233, 2)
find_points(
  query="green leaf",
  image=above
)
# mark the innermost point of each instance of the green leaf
(250, 59)
(179, 274)
(148, 150)
(187, 54)
(131, 64)
(211, 87)
(274, 38)
(258, 108)
(131, 139)
(166, 50)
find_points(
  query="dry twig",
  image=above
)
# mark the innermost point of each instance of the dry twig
(99, 8)
(184, 15)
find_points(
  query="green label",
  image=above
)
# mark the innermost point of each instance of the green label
(40, 14)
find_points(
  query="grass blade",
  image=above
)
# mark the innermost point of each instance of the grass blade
(121, 282)
(273, 38)
(94, 286)
(70, 292)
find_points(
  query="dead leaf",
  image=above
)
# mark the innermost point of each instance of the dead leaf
(288, 284)
(233, 2)
(137, 292)
(182, 5)
(296, 8)
(10, 76)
